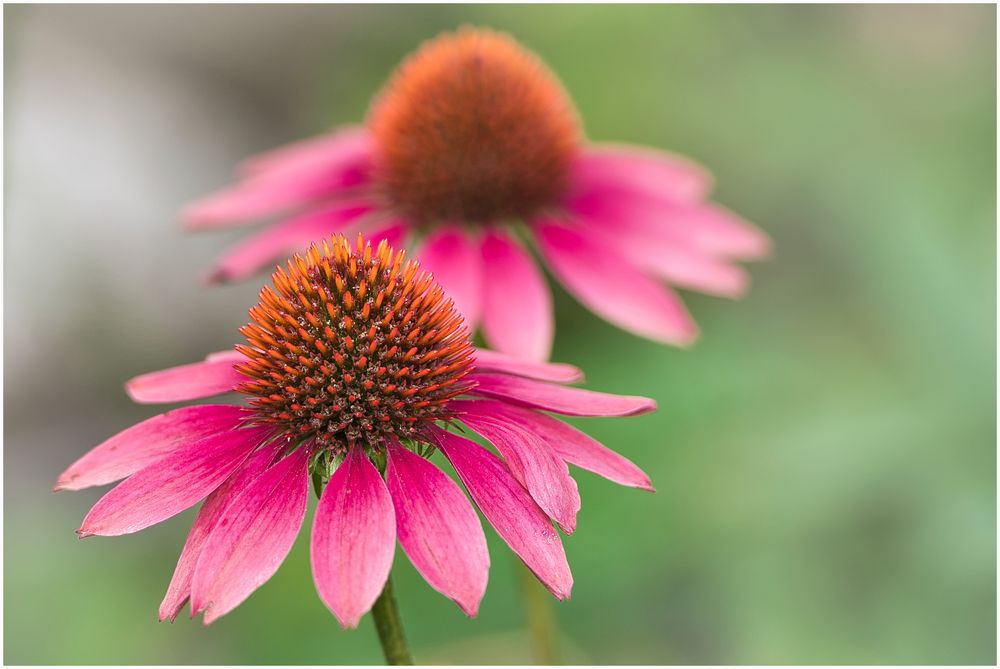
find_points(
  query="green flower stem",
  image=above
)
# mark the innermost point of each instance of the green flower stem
(539, 617)
(390, 627)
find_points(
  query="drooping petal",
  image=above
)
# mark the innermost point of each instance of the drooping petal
(511, 511)
(251, 200)
(353, 539)
(674, 259)
(454, 260)
(276, 183)
(210, 513)
(133, 449)
(260, 526)
(193, 381)
(717, 230)
(529, 459)
(612, 288)
(278, 241)
(625, 169)
(438, 528)
(575, 447)
(556, 372)
(517, 312)
(662, 223)
(559, 399)
(327, 151)
(684, 266)
(171, 484)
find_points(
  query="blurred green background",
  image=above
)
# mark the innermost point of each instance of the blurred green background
(825, 456)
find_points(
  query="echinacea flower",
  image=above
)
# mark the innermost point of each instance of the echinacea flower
(355, 362)
(472, 145)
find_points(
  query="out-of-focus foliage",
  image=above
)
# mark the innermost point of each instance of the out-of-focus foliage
(825, 455)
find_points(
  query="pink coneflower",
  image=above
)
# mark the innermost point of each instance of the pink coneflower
(355, 362)
(472, 145)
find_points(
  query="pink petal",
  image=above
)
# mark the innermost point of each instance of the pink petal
(528, 457)
(438, 529)
(210, 513)
(353, 539)
(186, 382)
(491, 361)
(717, 230)
(675, 260)
(612, 288)
(623, 169)
(140, 445)
(659, 222)
(517, 312)
(276, 183)
(323, 152)
(171, 484)
(577, 448)
(695, 271)
(510, 510)
(256, 533)
(559, 399)
(454, 260)
(280, 240)
(253, 200)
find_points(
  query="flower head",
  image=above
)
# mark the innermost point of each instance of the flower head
(355, 362)
(353, 348)
(498, 140)
(472, 135)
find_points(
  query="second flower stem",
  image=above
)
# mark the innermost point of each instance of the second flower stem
(539, 617)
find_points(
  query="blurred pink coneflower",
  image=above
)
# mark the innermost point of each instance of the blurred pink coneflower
(472, 144)
(354, 362)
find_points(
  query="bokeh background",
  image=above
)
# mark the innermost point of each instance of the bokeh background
(825, 456)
